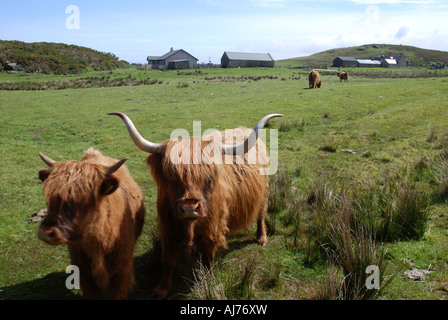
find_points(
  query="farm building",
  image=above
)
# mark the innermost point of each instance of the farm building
(389, 63)
(379, 61)
(402, 62)
(246, 60)
(365, 63)
(393, 61)
(345, 62)
(174, 59)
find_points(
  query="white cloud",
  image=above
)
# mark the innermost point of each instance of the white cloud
(286, 36)
(402, 32)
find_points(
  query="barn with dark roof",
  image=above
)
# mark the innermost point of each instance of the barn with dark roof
(246, 60)
(345, 62)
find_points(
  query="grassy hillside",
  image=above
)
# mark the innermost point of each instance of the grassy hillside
(419, 58)
(58, 58)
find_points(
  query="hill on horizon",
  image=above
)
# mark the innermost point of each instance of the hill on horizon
(419, 58)
(58, 58)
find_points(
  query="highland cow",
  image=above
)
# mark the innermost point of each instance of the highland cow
(343, 75)
(314, 79)
(201, 203)
(96, 208)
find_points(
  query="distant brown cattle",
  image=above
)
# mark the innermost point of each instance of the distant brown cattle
(208, 196)
(343, 75)
(314, 79)
(96, 208)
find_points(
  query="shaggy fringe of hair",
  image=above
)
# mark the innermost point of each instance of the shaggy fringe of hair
(237, 196)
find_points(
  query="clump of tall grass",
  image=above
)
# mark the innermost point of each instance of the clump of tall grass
(293, 218)
(440, 172)
(280, 192)
(321, 207)
(394, 210)
(284, 204)
(355, 251)
(434, 172)
(236, 284)
(206, 286)
(391, 210)
(338, 234)
(347, 229)
(350, 277)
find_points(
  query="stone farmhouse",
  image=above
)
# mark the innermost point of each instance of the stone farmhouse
(246, 60)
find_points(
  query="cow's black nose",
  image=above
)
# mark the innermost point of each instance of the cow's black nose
(50, 235)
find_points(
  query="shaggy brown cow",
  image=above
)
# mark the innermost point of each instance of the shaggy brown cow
(343, 75)
(200, 203)
(96, 208)
(314, 79)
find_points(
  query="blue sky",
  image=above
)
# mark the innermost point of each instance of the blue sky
(132, 30)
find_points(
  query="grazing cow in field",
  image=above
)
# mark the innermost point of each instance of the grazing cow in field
(96, 208)
(343, 75)
(201, 203)
(314, 79)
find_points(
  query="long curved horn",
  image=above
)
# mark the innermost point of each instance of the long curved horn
(139, 141)
(48, 161)
(115, 166)
(244, 147)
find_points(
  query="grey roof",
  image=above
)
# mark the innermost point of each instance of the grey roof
(346, 58)
(391, 61)
(365, 61)
(248, 56)
(167, 55)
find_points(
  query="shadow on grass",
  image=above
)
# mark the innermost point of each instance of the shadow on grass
(147, 273)
(50, 287)
(148, 270)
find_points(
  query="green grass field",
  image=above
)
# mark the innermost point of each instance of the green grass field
(343, 135)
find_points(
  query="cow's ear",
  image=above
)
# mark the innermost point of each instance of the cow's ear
(44, 173)
(109, 185)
